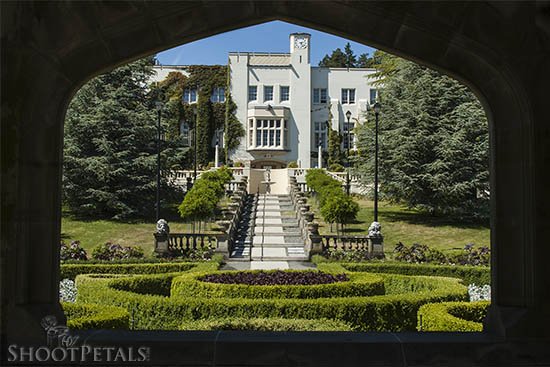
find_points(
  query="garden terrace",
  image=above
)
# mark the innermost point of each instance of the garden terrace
(154, 308)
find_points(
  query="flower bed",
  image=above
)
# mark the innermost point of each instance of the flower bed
(194, 285)
(277, 277)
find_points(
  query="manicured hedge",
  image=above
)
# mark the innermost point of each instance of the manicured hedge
(93, 316)
(157, 284)
(469, 274)
(360, 284)
(390, 312)
(452, 316)
(265, 324)
(70, 271)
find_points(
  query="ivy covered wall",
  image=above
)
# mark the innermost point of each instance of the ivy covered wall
(209, 116)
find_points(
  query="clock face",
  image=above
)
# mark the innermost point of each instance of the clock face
(300, 42)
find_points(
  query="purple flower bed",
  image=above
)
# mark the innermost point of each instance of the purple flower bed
(277, 277)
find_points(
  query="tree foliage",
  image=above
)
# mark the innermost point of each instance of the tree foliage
(348, 59)
(336, 207)
(201, 201)
(433, 140)
(110, 146)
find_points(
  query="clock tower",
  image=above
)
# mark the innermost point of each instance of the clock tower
(299, 46)
(300, 100)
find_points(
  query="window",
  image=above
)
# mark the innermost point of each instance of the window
(320, 135)
(268, 133)
(268, 93)
(285, 93)
(185, 133)
(252, 93)
(348, 128)
(218, 95)
(251, 132)
(348, 96)
(319, 95)
(190, 95)
(373, 95)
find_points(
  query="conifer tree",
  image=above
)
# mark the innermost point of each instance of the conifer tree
(433, 143)
(110, 146)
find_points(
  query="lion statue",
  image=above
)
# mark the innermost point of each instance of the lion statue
(375, 230)
(163, 227)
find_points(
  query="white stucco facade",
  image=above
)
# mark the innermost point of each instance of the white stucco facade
(284, 103)
(313, 91)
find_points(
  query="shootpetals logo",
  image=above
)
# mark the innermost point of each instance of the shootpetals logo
(63, 347)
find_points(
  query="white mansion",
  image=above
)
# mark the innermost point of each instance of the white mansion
(284, 103)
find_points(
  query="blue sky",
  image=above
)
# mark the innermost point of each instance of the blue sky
(266, 37)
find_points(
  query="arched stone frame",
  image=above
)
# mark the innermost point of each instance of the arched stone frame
(52, 58)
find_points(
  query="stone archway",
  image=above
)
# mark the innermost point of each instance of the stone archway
(50, 49)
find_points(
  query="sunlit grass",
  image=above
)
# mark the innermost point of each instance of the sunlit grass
(400, 224)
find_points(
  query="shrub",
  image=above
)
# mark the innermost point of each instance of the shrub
(336, 167)
(336, 207)
(190, 285)
(292, 164)
(266, 324)
(72, 252)
(200, 202)
(469, 274)
(390, 312)
(110, 251)
(472, 256)
(331, 254)
(191, 254)
(70, 271)
(418, 253)
(92, 316)
(452, 316)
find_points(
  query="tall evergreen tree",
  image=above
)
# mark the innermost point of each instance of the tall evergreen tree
(110, 146)
(337, 59)
(433, 139)
(351, 59)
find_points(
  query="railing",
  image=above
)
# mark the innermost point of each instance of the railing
(335, 242)
(181, 242)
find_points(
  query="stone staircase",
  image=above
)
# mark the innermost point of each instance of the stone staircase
(270, 232)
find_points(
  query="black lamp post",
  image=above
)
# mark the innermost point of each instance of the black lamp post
(159, 106)
(348, 116)
(195, 113)
(377, 108)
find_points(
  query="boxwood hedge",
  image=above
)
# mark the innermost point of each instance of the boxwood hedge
(265, 324)
(394, 311)
(452, 316)
(93, 316)
(70, 271)
(360, 284)
(469, 274)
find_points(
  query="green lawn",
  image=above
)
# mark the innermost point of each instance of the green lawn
(409, 226)
(398, 224)
(93, 233)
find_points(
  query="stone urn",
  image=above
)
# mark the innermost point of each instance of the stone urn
(224, 225)
(313, 227)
